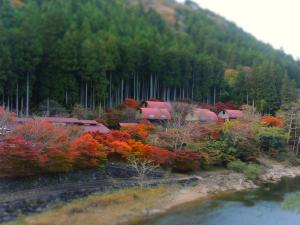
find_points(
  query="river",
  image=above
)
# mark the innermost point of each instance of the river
(277, 204)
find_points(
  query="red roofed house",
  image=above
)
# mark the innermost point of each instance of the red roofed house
(128, 124)
(95, 128)
(86, 125)
(87, 122)
(229, 114)
(153, 114)
(158, 105)
(202, 115)
(59, 120)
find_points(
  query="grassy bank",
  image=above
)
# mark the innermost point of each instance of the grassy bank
(101, 209)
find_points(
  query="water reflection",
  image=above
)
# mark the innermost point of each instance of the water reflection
(260, 207)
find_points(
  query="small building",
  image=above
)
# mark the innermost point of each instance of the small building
(229, 114)
(59, 120)
(158, 105)
(86, 125)
(202, 115)
(128, 124)
(86, 122)
(153, 114)
(95, 128)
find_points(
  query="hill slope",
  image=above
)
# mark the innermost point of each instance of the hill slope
(98, 52)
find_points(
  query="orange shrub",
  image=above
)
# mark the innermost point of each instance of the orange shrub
(57, 159)
(119, 145)
(120, 148)
(87, 152)
(138, 132)
(272, 121)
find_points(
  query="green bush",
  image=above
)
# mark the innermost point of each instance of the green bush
(237, 166)
(289, 157)
(240, 137)
(216, 151)
(272, 138)
(251, 170)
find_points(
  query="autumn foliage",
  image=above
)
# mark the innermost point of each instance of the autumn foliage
(186, 160)
(19, 157)
(38, 147)
(41, 147)
(131, 103)
(86, 152)
(219, 106)
(272, 121)
(138, 132)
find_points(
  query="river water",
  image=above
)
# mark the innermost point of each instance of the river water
(277, 204)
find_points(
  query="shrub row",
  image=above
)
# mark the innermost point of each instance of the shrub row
(40, 147)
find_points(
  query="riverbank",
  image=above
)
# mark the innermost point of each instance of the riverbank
(130, 206)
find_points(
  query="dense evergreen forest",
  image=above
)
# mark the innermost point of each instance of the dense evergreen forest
(98, 52)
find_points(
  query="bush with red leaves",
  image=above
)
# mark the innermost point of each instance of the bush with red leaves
(161, 156)
(19, 157)
(201, 133)
(131, 103)
(219, 106)
(186, 160)
(87, 152)
(138, 132)
(272, 121)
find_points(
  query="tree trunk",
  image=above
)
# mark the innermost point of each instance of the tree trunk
(215, 93)
(86, 96)
(22, 106)
(122, 90)
(110, 90)
(8, 105)
(17, 99)
(48, 106)
(175, 94)
(66, 97)
(27, 95)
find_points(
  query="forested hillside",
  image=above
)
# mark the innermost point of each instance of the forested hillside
(98, 52)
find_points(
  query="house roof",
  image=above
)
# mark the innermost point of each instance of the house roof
(159, 105)
(88, 122)
(68, 120)
(155, 114)
(58, 119)
(87, 125)
(94, 128)
(234, 113)
(205, 115)
(127, 124)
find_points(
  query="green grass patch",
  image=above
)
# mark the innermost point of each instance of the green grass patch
(252, 171)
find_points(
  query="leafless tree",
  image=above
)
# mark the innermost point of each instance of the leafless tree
(179, 128)
(6, 120)
(142, 167)
(291, 115)
(250, 113)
